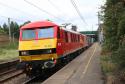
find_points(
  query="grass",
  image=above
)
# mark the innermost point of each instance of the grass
(2, 31)
(107, 65)
(111, 65)
(111, 70)
(8, 51)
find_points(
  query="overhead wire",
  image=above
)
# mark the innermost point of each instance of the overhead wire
(56, 7)
(53, 5)
(42, 10)
(12, 18)
(78, 11)
(5, 5)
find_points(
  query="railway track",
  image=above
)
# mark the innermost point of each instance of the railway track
(38, 79)
(8, 71)
(28, 81)
(11, 74)
(8, 65)
(6, 76)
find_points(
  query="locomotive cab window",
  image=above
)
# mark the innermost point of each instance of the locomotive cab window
(46, 33)
(58, 33)
(66, 36)
(28, 34)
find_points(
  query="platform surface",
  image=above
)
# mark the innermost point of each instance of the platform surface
(84, 69)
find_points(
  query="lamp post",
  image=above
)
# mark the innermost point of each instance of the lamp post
(9, 29)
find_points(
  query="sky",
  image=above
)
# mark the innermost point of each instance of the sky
(58, 11)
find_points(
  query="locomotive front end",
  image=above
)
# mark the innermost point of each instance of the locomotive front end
(37, 46)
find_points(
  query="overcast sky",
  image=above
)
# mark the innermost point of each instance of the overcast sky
(21, 11)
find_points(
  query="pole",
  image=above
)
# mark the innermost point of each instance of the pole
(92, 35)
(98, 27)
(98, 19)
(92, 28)
(9, 29)
(13, 36)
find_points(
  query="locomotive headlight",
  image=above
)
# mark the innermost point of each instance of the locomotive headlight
(50, 51)
(24, 53)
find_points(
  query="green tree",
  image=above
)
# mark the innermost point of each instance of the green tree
(114, 22)
(25, 23)
(5, 28)
(14, 29)
(113, 12)
(1, 30)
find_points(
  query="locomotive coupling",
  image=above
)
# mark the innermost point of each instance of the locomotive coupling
(49, 64)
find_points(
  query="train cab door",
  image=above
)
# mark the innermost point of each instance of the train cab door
(59, 41)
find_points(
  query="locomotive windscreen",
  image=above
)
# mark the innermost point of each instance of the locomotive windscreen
(42, 33)
(46, 33)
(28, 34)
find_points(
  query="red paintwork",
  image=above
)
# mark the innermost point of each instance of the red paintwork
(63, 47)
(20, 37)
(38, 24)
(68, 47)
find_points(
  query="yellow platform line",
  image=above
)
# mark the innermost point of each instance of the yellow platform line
(86, 67)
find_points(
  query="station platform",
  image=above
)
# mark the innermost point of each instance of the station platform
(84, 69)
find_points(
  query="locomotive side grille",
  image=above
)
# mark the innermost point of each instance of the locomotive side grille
(37, 52)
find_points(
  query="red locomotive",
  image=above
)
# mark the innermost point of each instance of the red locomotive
(45, 44)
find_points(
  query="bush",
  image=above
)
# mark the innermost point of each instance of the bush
(107, 65)
(10, 46)
(8, 52)
(119, 56)
(1, 31)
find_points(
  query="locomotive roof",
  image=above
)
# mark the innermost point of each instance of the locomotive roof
(70, 30)
(45, 23)
(38, 24)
